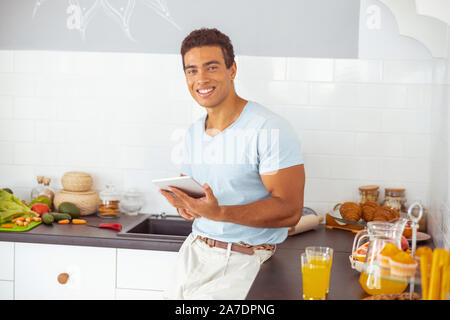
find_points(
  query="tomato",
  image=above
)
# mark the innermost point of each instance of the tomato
(40, 208)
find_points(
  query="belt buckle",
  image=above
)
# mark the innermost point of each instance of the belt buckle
(210, 242)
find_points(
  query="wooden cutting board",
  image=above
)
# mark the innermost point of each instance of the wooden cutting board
(331, 223)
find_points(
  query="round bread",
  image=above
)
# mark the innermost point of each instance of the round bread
(350, 211)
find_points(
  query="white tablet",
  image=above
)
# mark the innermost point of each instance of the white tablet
(186, 184)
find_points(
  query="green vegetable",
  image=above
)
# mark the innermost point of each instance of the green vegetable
(41, 199)
(61, 216)
(11, 207)
(47, 218)
(70, 208)
(8, 190)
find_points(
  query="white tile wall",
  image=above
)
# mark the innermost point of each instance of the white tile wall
(117, 116)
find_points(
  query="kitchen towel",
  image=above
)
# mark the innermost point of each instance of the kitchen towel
(306, 223)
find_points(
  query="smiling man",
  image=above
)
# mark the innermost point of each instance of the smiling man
(250, 164)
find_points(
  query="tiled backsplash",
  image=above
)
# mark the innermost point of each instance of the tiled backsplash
(117, 115)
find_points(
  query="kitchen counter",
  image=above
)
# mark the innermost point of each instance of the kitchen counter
(279, 277)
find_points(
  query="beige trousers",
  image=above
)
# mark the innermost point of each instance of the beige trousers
(203, 273)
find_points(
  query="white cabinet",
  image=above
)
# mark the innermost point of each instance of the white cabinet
(145, 272)
(6, 260)
(40, 268)
(6, 290)
(130, 294)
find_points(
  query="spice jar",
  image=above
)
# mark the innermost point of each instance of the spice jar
(368, 193)
(109, 203)
(395, 198)
(48, 191)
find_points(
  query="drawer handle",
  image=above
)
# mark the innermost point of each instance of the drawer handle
(63, 277)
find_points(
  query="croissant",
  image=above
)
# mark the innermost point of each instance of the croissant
(350, 211)
(368, 210)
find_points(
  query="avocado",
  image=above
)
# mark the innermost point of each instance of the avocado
(8, 190)
(60, 216)
(47, 218)
(70, 208)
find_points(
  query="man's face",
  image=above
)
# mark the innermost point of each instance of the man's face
(208, 79)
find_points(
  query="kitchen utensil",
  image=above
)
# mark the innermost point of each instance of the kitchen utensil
(378, 234)
(86, 201)
(132, 201)
(77, 181)
(109, 203)
(15, 228)
(112, 226)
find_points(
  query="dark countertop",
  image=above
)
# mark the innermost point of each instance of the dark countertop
(278, 279)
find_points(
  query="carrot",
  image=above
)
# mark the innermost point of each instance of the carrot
(7, 225)
(18, 219)
(65, 221)
(78, 221)
(19, 223)
(37, 218)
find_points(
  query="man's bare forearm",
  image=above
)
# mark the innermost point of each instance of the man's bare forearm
(268, 213)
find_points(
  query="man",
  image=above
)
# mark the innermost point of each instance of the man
(249, 162)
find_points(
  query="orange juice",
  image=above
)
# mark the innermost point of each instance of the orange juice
(374, 285)
(316, 277)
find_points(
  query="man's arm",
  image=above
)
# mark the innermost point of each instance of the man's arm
(283, 209)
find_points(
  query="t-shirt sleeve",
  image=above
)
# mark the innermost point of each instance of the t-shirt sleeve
(278, 146)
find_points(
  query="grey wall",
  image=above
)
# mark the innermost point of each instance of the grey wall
(314, 28)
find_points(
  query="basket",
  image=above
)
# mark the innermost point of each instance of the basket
(77, 181)
(86, 201)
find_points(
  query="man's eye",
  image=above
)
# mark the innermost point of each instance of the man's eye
(211, 68)
(191, 71)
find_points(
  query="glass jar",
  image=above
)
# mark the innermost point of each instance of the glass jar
(109, 203)
(132, 201)
(36, 191)
(47, 191)
(368, 193)
(395, 198)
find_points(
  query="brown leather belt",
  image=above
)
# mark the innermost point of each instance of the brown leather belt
(224, 245)
(242, 248)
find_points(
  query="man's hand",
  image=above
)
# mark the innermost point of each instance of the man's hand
(190, 208)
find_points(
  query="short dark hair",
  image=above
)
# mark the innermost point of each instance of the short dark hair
(209, 37)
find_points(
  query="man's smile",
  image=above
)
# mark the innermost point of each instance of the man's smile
(205, 92)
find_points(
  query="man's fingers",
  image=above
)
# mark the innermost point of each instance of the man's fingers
(208, 191)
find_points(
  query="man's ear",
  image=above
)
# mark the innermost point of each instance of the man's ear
(233, 70)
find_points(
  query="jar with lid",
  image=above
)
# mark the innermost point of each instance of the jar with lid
(47, 190)
(109, 202)
(132, 201)
(368, 193)
(395, 198)
(36, 191)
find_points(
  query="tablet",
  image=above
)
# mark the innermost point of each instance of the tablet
(187, 184)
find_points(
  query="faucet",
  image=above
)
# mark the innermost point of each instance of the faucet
(162, 215)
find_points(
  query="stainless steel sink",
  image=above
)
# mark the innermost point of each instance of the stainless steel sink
(153, 227)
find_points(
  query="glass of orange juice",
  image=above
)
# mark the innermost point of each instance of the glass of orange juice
(322, 251)
(315, 276)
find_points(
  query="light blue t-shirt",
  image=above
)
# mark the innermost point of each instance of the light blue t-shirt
(258, 142)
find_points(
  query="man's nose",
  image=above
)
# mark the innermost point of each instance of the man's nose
(202, 76)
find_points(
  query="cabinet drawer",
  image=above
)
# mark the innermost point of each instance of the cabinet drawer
(144, 269)
(7, 260)
(131, 294)
(90, 270)
(6, 290)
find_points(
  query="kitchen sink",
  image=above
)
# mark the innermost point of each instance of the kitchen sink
(166, 228)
